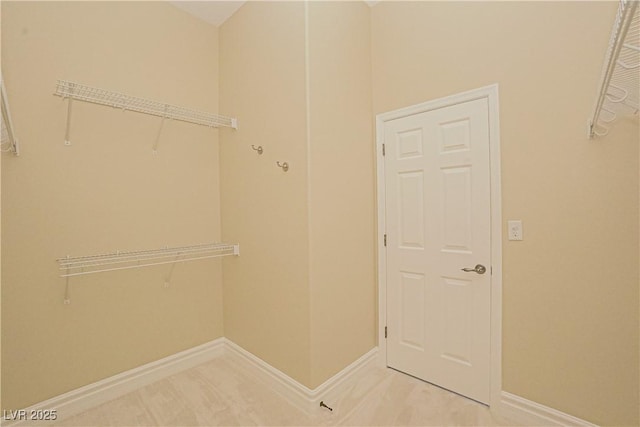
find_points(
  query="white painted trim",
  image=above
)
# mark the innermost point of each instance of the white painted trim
(382, 259)
(491, 94)
(496, 243)
(511, 407)
(334, 386)
(92, 395)
(530, 413)
(297, 393)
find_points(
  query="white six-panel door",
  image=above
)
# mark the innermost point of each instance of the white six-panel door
(438, 221)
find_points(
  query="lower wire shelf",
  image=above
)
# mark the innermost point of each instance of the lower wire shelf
(81, 265)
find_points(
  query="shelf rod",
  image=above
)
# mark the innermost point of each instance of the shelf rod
(93, 263)
(624, 18)
(71, 90)
(137, 266)
(150, 251)
(127, 260)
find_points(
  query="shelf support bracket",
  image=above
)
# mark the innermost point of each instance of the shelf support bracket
(155, 144)
(167, 280)
(67, 141)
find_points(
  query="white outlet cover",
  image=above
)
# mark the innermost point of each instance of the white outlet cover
(515, 229)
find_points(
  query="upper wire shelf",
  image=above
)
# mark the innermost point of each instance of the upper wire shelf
(81, 265)
(7, 136)
(619, 89)
(71, 90)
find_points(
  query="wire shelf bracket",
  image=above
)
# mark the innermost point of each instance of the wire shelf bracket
(76, 91)
(8, 140)
(619, 88)
(91, 264)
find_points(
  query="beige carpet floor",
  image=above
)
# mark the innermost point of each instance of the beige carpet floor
(223, 392)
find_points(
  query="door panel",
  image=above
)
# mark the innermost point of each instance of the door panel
(437, 210)
(412, 320)
(411, 209)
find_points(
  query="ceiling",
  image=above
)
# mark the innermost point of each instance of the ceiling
(213, 12)
(216, 12)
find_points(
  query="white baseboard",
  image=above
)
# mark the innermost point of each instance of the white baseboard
(299, 394)
(529, 413)
(75, 401)
(512, 407)
(337, 384)
(81, 399)
(281, 383)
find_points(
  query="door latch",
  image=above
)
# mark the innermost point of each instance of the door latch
(479, 268)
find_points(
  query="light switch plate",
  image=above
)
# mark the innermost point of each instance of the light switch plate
(515, 229)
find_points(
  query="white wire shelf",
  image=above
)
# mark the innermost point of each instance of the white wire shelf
(619, 89)
(81, 265)
(8, 140)
(71, 90)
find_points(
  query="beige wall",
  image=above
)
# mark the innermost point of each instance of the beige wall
(302, 294)
(106, 192)
(341, 187)
(262, 67)
(570, 289)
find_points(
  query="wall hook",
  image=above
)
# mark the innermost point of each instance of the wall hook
(258, 148)
(284, 165)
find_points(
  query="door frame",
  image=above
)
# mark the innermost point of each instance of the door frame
(490, 93)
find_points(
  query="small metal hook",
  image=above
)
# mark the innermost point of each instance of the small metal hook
(284, 165)
(258, 148)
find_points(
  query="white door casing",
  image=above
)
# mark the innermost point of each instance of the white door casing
(439, 207)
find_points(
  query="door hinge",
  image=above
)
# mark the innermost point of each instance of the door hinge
(384, 151)
(385, 331)
(385, 240)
